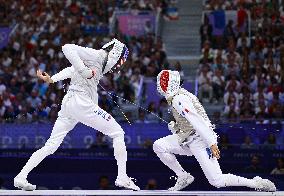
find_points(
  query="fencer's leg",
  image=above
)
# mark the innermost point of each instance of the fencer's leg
(163, 147)
(214, 175)
(100, 120)
(120, 155)
(61, 127)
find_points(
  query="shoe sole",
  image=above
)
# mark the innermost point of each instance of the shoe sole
(191, 181)
(128, 188)
(23, 188)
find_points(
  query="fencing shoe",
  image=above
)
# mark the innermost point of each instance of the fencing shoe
(182, 182)
(23, 184)
(264, 184)
(126, 183)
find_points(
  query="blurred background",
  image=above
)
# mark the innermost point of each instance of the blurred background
(230, 53)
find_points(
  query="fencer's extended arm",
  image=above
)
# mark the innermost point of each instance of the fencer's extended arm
(63, 74)
(185, 108)
(71, 52)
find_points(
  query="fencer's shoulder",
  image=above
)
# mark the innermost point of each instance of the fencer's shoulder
(75, 47)
(187, 93)
(179, 98)
(69, 46)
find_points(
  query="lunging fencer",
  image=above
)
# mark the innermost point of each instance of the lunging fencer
(80, 104)
(193, 134)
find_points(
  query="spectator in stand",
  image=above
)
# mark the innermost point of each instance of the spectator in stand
(141, 117)
(255, 166)
(204, 83)
(270, 142)
(177, 67)
(152, 108)
(207, 54)
(205, 30)
(260, 94)
(224, 142)
(243, 44)
(231, 98)
(219, 63)
(34, 100)
(2, 85)
(279, 169)
(163, 110)
(261, 110)
(100, 141)
(229, 31)
(216, 119)
(24, 116)
(124, 87)
(104, 183)
(246, 106)
(9, 114)
(147, 144)
(151, 184)
(218, 84)
(248, 144)
(136, 81)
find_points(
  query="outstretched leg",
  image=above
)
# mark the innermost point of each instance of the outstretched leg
(61, 127)
(166, 148)
(214, 175)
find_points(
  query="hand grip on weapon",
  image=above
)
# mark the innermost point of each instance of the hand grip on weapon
(44, 76)
(171, 127)
(215, 151)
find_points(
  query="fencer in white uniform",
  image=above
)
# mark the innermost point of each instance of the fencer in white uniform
(193, 134)
(80, 104)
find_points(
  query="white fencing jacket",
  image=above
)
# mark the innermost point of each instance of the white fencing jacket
(191, 118)
(86, 69)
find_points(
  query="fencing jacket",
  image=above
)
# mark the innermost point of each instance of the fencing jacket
(83, 60)
(191, 118)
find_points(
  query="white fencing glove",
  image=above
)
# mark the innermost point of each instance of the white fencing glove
(171, 127)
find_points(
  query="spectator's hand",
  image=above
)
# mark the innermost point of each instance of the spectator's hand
(44, 76)
(215, 151)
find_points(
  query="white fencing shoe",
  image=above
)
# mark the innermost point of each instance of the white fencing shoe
(23, 184)
(264, 184)
(126, 183)
(182, 182)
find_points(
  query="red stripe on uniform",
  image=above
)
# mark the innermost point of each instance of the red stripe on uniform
(93, 74)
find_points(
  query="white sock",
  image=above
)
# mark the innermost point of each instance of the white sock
(171, 161)
(233, 180)
(120, 155)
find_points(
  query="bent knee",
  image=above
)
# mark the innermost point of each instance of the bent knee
(116, 131)
(158, 146)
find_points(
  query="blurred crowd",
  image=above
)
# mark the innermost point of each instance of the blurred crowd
(243, 67)
(41, 27)
(251, 142)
